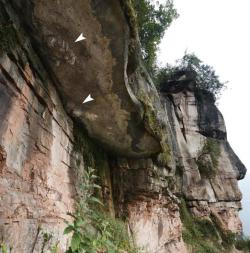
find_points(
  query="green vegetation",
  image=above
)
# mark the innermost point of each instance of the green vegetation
(8, 38)
(54, 248)
(92, 154)
(46, 238)
(151, 121)
(130, 12)
(228, 238)
(243, 244)
(152, 21)
(92, 229)
(3, 248)
(212, 149)
(200, 234)
(205, 236)
(204, 75)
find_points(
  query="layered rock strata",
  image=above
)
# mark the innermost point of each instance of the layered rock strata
(156, 147)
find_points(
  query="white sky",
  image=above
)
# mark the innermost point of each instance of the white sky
(218, 32)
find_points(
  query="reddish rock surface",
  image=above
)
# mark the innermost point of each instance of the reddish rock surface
(154, 142)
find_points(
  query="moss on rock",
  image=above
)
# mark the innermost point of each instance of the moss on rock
(153, 125)
(8, 38)
(199, 234)
(93, 155)
(209, 157)
(228, 237)
(130, 13)
(207, 235)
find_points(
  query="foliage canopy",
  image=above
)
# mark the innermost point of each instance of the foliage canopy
(204, 75)
(152, 22)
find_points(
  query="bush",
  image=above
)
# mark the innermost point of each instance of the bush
(204, 75)
(152, 22)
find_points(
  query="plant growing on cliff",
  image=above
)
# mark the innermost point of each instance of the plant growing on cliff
(152, 22)
(228, 238)
(3, 248)
(92, 229)
(211, 148)
(204, 75)
(200, 234)
(208, 235)
(243, 244)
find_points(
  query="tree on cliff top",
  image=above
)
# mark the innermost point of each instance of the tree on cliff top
(152, 22)
(205, 76)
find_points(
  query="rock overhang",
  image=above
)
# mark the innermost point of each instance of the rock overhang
(96, 66)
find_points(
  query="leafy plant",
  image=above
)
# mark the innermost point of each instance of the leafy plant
(204, 75)
(93, 230)
(152, 22)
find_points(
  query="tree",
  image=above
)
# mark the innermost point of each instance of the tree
(152, 22)
(204, 75)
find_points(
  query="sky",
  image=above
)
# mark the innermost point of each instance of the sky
(217, 31)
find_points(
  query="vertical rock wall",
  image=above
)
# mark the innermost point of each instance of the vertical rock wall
(209, 167)
(175, 144)
(36, 187)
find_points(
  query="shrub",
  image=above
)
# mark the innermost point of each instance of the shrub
(204, 75)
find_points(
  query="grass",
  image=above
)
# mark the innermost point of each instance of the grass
(200, 234)
(228, 238)
(243, 244)
(208, 236)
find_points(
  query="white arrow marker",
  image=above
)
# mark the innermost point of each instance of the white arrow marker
(80, 38)
(88, 99)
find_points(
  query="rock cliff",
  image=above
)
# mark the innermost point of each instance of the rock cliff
(159, 154)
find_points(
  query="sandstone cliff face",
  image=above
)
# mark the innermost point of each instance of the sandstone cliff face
(156, 148)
